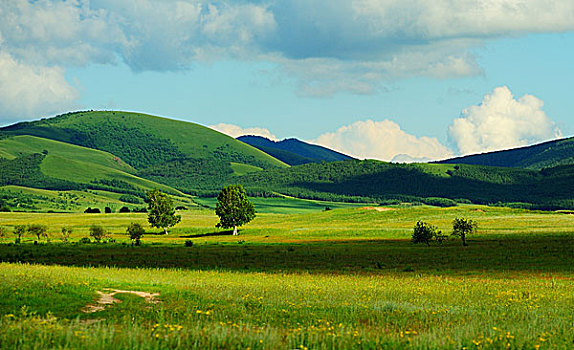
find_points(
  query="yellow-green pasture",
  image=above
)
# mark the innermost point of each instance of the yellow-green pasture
(339, 279)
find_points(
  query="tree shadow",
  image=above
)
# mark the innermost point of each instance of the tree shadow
(210, 234)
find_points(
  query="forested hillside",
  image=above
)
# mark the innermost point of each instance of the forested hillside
(544, 155)
(293, 151)
(373, 180)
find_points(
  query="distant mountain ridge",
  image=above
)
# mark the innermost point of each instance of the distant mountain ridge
(544, 155)
(293, 151)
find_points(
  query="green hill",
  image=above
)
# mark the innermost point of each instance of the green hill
(444, 184)
(293, 151)
(180, 154)
(41, 163)
(544, 155)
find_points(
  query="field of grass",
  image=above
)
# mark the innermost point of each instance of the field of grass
(344, 278)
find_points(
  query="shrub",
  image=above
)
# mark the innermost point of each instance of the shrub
(3, 232)
(128, 198)
(189, 243)
(424, 233)
(135, 231)
(92, 211)
(124, 210)
(5, 209)
(84, 240)
(97, 232)
(107, 210)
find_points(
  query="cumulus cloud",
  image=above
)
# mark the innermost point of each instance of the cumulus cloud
(236, 131)
(26, 91)
(326, 46)
(383, 140)
(502, 122)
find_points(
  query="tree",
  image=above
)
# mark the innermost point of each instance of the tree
(19, 230)
(135, 231)
(66, 232)
(424, 233)
(38, 230)
(97, 232)
(462, 227)
(234, 208)
(161, 213)
(3, 232)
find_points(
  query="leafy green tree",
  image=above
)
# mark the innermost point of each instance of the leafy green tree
(66, 232)
(234, 208)
(424, 233)
(161, 212)
(38, 230)
(19, 230)
(135, 231)
(462, 227)
(97, 232)
(3, 232)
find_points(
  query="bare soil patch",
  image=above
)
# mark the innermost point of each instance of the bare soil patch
(378, 208)
(106, 299)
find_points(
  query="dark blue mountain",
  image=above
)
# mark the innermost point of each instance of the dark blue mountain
(293, 151)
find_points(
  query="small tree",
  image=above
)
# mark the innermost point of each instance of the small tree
(135, 231)
(424, 233)
(38, 230)
(19, 231)
(234, 208)
(97, 232)
(3, 232)
(462, 227)
(161, 212)
(66, 232)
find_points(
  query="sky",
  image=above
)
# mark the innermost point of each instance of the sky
(395, 80)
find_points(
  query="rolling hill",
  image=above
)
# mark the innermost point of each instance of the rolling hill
(175, 153)
(293, 151)
(544, 155)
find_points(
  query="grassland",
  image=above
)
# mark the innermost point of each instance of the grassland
(345, 278)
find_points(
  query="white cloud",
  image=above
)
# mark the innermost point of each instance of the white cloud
(236, 131)
(502, 122)
(326, 46)
(383, 140)
(32, 91)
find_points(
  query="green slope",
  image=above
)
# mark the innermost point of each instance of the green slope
(544, 155)
(40, 163)
(143, 140)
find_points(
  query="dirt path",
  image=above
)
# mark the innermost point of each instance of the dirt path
(378, 208)
(106, 299)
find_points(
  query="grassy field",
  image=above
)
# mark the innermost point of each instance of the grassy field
(345, 278)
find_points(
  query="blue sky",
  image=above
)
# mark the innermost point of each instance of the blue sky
(390, 80)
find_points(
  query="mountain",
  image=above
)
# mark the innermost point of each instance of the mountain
(293, 151)
(179, 154)
(544, 155)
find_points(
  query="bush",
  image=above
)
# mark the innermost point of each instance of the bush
(135, 231)
(189, 243)
(128, 198)
(107, 210)
(124, 210)
(424, 233)
(3, 232)
(92, 211)
(84, 240)
(97, 232)
(5, 209)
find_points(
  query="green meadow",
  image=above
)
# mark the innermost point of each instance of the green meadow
(297, 277)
